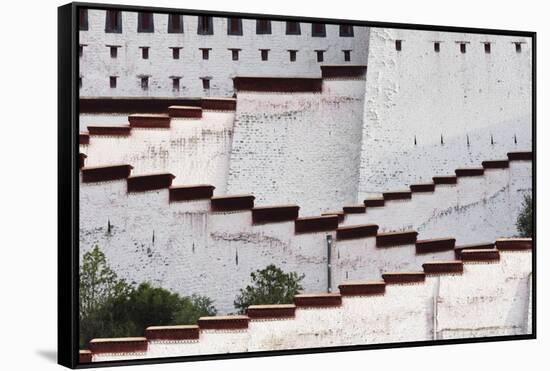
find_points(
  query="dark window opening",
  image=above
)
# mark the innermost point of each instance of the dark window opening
(113, 50)
(205, 26)
(347, 55)
(263, 27)
(145, 22)
(487, 47)
(234, 26)
(175, 83)
(145, 52)
(293, 28)
(205, 53)
(264, 53)
(398, 45)
(83, 19)
(346, 30)
(205, 83)
(80, 50)
(318, 30)
(175, 23)
(113, 21)
(112, 82)
(436, 46)
(292, 54)
(463, 48)
(518, 47)
(176, 53)
(145, 82)
(235, 54)
(320, 55)
(79, 82)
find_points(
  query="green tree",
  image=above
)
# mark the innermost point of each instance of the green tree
(269, 286)
(524, 222)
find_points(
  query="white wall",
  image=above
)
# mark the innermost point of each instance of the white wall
(299, 148)
(487, 299)
(96, 65)
(418, 92)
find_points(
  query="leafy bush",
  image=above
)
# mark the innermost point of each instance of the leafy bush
(269, 286)
(524, 222)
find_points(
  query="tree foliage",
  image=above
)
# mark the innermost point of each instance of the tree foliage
(109, 307)
(524, 222)
(269, 286)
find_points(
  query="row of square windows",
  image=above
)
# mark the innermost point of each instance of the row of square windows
(144, 82)
(113, 24)
(462, 45)
(264, 53)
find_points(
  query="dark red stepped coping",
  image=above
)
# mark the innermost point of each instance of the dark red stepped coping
(374, 202)
(149, 121)
(340, 214)
(362, 288)
(435, 245)
(514, 244)
(277, 84)
(232, 203)
(356, 231)
(133, 104)
(396, 238)
(447, 179)
(81, 160)
(83, 138)
(426, 187)
(219, 104)
(441, 267)
(343, 71)
(477, 171)
(223, 323)
(403, 277)
(84, 356)
(476, 246)
(267, 214)
(519, 156)
(495, 164)
(105, 173)
(318, 300)
(397, 195)
(191, 192)
(185, 111)
(480, 255)
(271, 311)
(141, 183)
(184, 332)
(354, 209)
(316, 224)
(122, 130)
(118, 345)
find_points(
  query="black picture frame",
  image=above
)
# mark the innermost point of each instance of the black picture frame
(68, 180)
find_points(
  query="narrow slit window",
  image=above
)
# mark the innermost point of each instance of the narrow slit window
(205, 26)
(145, 52)
(79, 82)
(346, 30)
(205, 53)
(292, 55)
(437, 46)
(146, 22)
(113, 21)
(263, 27)
(234, 26)
(264, 53)
(112, 82)
(176, 53)
(318, 30)
(487, 47)
(234, 54)
(83, 19)
(113, 51)
(205, 83)
(175, 83)
(80, 50)
(175, 23)
(518, 47)
(347, 55)
(145, 82)
(463, 48)
(293, 28)
(320, 55)
(398, 45)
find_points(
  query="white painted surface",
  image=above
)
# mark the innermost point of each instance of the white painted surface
(418, 92)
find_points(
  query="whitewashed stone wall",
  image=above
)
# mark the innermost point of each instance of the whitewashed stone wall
(195, 150)
(476, 206)
(299, 148)
(488, 299)
(96, 64)
(460, 96)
